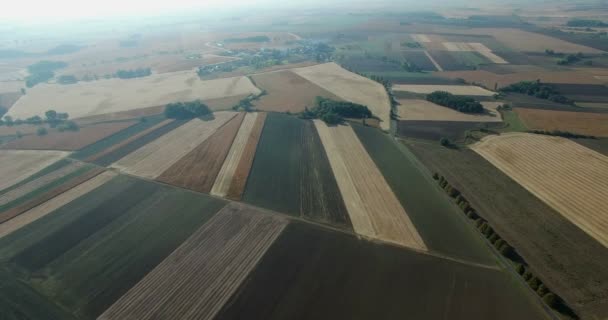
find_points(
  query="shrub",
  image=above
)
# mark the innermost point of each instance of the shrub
(520, 269)
(542, 290)
(551, 300)
(41, 131)
(331, 118)
(534, 283)
(445, 142)
(186, 110)
(436, 176)
(527, 275)
(458, 103)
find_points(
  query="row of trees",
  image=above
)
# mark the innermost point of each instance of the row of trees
(42, 71)
(52, 117)
(503, 247)
(186, 110)
(334, 112)
(458, 103)
(538, 90)
(565, 134)
(136, 73)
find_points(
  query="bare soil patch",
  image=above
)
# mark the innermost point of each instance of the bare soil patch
(594, 124)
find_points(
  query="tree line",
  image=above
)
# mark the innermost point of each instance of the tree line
(42, 71)
(538, 90)
(504, 248)
(565, 134)
(186, 110)
(458, 103)
(135, 73)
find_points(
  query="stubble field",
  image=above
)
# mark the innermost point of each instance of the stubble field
(20, 164)
(586, 123)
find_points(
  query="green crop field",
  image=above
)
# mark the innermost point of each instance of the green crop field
(291, 173)
(88, 253)
(313, 273)
(439, 222)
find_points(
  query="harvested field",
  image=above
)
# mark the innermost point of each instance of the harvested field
(224, 103)
(147, 112)
(114, 147)
(584, 92)
(372, 206)
(18, 165)
(520, 40)
(453, 89)
(420, 59)
(291, 173)
(241, 172)
(426, 110)
(435, 130)
(154, 158)
(489, 79)
(201, 275)
(287, 91)
(69, 140)
(350, 87)
(124, 225)
(312, 273)
(198, 169)
(224, 178)
(567, 176)
(594, 124)
(474, 47)
(54, 203)
(7, 100)
(435, 64)
(114, 95)
(567, 259)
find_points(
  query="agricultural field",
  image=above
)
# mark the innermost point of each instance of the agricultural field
(453, 89)
(302, 182)
(201, 275)
(416, 109)
(567, 259)
(350, 87)
(154, 158)
(567, 176)
(17, 165)
(68, 140)
(122, 227)
(520, 40)
(198, 169)
(373, 208)
(287, 91)
(458, 60)
(307, 267)
(435, 130)
(593, 124)
(114, 95)
(421, 59)
(491, 80)
(474, 47)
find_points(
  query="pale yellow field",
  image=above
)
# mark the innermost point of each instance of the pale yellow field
(154, 158)
(114, 95)
(422, 38)
(416, 109)
(453, 89)
(202, 274)
(351, 87)
(570, 178)
(54, 204)
(371, 204)
(16, 165)
(224, 178)
(474, 46)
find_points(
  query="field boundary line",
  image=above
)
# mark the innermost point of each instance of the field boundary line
(437, 65)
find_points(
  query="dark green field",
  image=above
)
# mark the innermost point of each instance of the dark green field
(438, 221)
(291, 173)
(312, 273)
(88, 253)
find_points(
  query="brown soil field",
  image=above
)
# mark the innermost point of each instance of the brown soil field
(520, 40)
(489, 79)
(225, 176)
(24, 129)
(32, 185)
(198, 169)
(287, 91)
(114, 95)
(594, 124)
(154, 158)
(54, 203)
(453, 89)
(122, 115)
(68, 140)
(239, 177)
(224, 103)
(123, 143)
(20, 164)
(567, 176)
(350, 87)
(373, 208)
(201, 275)
(413, 109)
(15, 211)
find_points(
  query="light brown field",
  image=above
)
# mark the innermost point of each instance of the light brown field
(568, 177)
(20, 164)
(594, 124)
(154, 158)
(38, 182)
(489, 79)
(198, 169)
(422, 38)
(241, 173)
(225, 176)
(474, 47)
(69, 140)
(54, 204)
(201, 275)
(114, 95)
(132, 138)
(453, 89)
(520, 40)
(372, 206)
(414, 109)
(350, 87)
(287, 91)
